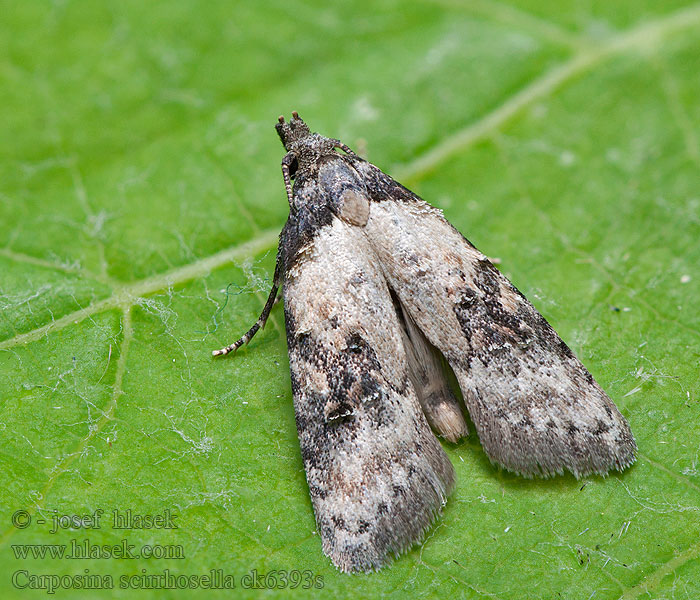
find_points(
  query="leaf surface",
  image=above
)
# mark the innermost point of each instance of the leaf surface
(140, 203)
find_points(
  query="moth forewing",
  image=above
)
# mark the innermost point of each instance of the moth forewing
(536, 408)
(375, 283)
(376, 473)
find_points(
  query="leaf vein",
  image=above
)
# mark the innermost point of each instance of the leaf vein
(128, 295)
(644, 36)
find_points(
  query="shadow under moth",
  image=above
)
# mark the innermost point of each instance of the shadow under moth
(381, 293)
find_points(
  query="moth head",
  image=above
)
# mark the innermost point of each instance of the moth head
(293, 131)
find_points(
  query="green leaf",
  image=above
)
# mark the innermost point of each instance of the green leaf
(140, 203)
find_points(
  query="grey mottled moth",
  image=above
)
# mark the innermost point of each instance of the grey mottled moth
(379, 291)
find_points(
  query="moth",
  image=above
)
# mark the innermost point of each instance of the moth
(382, 297)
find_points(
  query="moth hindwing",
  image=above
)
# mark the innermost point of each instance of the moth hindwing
(379, 290)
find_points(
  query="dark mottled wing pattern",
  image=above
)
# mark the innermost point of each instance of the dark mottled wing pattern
(537, 410)
(376, 473)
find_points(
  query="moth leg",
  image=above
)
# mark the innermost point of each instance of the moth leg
(287, 162)
(345, 148)
(262, 319)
